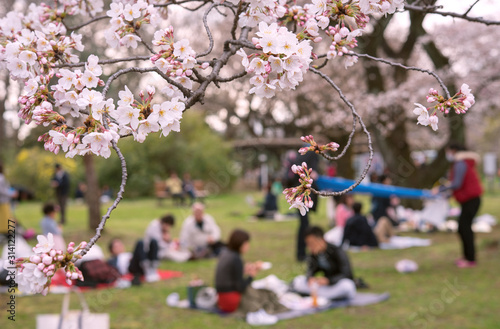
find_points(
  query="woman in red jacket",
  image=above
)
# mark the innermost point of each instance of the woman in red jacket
(467, 190)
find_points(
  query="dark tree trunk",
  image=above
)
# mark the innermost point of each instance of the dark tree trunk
(93, 192)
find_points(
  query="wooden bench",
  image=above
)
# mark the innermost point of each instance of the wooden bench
(160, 191)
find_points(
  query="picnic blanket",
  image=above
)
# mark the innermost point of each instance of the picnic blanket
(60, 286)
(360, 299)
(59, 283)
(403, 242)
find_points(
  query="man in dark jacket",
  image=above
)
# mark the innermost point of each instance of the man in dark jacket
(332, 262)
(467, 190)
(60, 182)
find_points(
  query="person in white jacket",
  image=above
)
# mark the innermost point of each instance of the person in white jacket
(159, 230)
(200, 234)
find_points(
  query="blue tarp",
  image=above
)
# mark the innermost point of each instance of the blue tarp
(380, 190)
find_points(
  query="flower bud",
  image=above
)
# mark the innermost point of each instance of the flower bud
(47, 260)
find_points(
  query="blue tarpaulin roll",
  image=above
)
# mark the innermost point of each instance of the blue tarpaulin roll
(380, 190)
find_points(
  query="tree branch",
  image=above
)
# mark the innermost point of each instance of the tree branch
(95, 19)
(209, 34)
(356, 117)
(410, 68)
(119, 197)
(433, 10)
(124, 71)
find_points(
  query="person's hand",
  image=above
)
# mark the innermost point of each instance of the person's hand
(435, 190)
(320, 281)
(258, 265)
(210, 240)
(250, 269)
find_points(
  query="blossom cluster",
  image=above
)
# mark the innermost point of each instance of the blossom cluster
(176, 59)
(315, 147)
(140, 117)
(35, 272)
(282, 63)
(126, 20)
(460, 103)
(380, 6)
(300, 196)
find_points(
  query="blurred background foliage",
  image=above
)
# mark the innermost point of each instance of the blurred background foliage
(198, 150)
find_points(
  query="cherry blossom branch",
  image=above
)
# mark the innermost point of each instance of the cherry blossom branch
(197, 96)
(106, 61)
(124, 71)
(119, 197)
(434, 10)
(410, 68)
(95, 19)
(148, 47)
(186, 92)
(233, 77)
(363, 127)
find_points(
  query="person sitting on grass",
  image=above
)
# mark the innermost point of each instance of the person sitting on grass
(169, 249)
(357, 231)
(137, 263)
(49, 225)
(200, 234)
(233, 281)
(336, 281)
(270, 205)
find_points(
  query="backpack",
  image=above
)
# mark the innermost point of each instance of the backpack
(96, 272)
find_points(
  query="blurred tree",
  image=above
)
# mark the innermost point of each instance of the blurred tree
(198, 151)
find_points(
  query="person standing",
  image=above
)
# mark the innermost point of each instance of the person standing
(5, 196)
(467, 190)
(60, 182)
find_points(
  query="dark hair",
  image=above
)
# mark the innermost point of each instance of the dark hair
(111, 243)
(382, 178)
(168, 220)
(356, 207)
(1, 168)
(455, 146)
(343, 198)
(237, 239)
(57, 165)
(48, 208)
(314, 231)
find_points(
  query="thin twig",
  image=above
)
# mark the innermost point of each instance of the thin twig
(411, 68)
(95, 19)
(144, 43)
(432, 10)
(470, 8)
(119, 197)
(209, 33)
(233, 77)
(363, 127)
(124, 71)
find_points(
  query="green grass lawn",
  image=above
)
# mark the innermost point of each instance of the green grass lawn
(438, 295)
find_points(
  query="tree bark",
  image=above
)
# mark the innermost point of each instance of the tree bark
(93, 192)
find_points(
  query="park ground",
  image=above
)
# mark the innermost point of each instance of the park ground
(438, 295)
